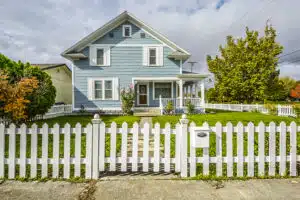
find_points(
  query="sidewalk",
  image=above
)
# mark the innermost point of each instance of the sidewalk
(153, 189)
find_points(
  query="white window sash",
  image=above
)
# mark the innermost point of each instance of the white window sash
(92, 89)
(123, 30)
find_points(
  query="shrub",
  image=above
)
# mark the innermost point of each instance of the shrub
(190, 107)
(297, 110)
(271, 108)
(169, 108)
(127, 98)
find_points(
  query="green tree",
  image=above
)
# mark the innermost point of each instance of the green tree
(43, 97)
(246, 71)
(288, 84)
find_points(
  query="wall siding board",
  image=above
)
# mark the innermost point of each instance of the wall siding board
(126, 63)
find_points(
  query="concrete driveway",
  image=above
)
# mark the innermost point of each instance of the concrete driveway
(153, 189)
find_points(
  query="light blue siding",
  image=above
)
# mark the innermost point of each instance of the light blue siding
(134, 39)
(126, 63)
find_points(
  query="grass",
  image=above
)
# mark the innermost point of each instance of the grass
(224, 117)
(85, 119)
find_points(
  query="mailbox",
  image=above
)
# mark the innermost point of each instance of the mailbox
(200, 137)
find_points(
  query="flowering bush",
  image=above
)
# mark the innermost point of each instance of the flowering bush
(169, 108)
(127, 98)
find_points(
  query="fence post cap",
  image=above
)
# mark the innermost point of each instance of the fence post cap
(184, 119)
(96, 119)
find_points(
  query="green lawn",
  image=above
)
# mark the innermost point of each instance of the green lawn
(85, 119)
(234, 117)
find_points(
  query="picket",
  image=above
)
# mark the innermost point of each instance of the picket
(282, 152)
(156, 147)
(272, 148)
(135, 141)
(12, 151)
(67, 140)
(206, 155)
(95, 158)
(240, 149)
(293, 149)
(261, 149)
(2, 150)
(250, 166)
(45, 130)
(33, 159)
(193, 159)
(77, 165)
(177, 147)
(89, 151)
(229, 152)
(219, 132)
(23, 143)
(124, 147)
(146, 132)
(113, 146)
(167, 147)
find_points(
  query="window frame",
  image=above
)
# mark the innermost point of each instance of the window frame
(153, 86)
(103, 89)
(130, 31)
(149, 56)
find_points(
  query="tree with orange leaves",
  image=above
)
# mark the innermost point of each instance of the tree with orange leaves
(13, 96)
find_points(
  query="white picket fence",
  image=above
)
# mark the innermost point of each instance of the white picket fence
(130, 158)
(282, 110)
(56, 111)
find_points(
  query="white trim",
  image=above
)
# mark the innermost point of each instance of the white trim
(126, 45)
(153, 88)
(123, 30)
(102, 108)
(161, 79)
(138, 95)
(103, 88)
(73, 86)
(117, 21)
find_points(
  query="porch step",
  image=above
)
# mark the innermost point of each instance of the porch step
(146, 112)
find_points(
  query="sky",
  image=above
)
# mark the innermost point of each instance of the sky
(39, 31)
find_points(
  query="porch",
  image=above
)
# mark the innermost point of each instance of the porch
(156, 92)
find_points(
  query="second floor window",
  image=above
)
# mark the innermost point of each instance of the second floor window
(126, 31)
(152, 56)
(100, 57)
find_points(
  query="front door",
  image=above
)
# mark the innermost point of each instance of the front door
(143, 94)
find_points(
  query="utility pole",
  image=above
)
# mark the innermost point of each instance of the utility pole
(192, 64)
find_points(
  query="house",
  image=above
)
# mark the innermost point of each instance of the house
(295, 93)
(126, 51)
(61, 77)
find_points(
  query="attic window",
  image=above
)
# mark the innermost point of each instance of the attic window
(126, 31)
(111, 34)
(143, 35)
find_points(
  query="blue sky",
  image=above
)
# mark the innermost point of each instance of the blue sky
(38, 31)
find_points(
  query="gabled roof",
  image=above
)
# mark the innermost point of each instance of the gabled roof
(125, 16)
(46, 66)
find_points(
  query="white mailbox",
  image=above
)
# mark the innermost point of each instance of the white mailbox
(200, 137)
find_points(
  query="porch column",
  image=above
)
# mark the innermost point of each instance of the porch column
(180, 93)
(189, 91)
(202, 92)
(196, 90)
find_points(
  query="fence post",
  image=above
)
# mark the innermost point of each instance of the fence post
(161, 106)
(95, 149)
(184, 133)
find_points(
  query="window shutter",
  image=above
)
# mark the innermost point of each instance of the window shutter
(90, 89)
(145, 56)
(116, 88)
(107, 56)
(160, 56)
(93, 56)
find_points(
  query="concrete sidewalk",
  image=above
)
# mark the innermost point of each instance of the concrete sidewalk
(153, 189)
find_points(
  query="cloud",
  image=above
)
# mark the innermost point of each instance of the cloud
(38, 31)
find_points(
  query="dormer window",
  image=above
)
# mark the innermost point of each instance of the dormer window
(126, 31)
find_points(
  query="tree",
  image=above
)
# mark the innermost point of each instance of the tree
(42, 97)
(13, 97)
(288, 84)
(246, 70)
